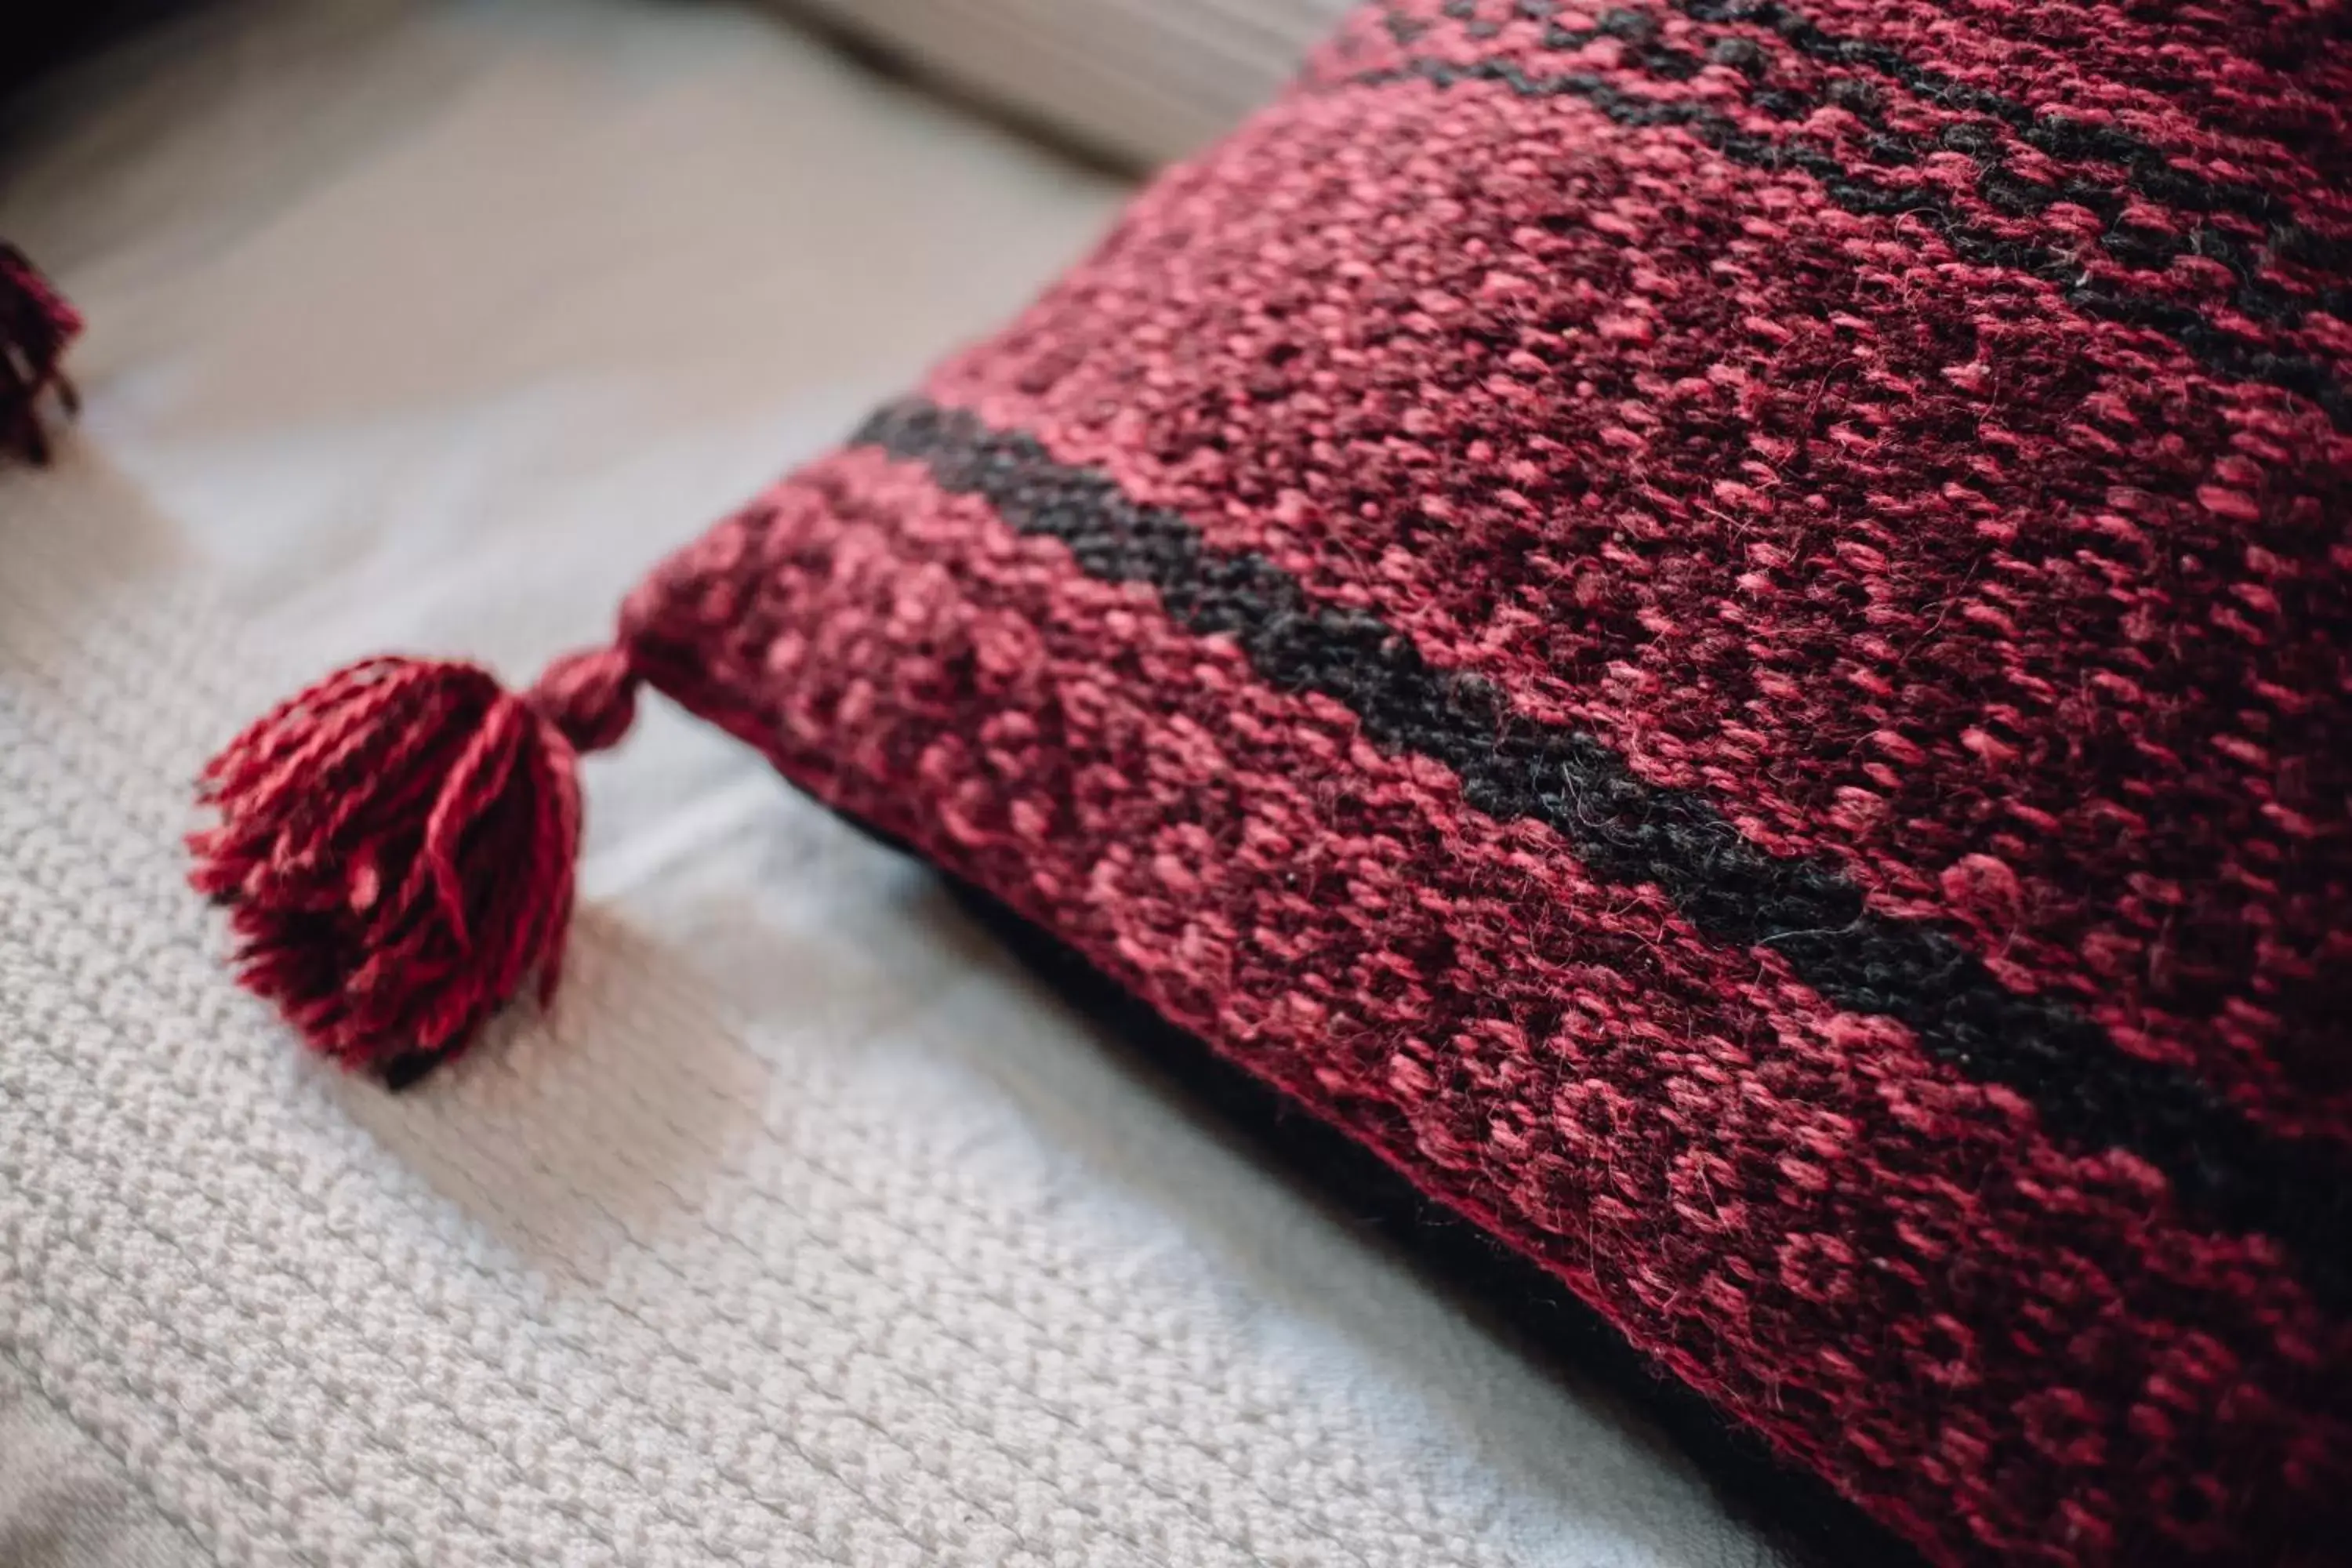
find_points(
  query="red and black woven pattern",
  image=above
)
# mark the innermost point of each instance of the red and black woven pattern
(1725, 630)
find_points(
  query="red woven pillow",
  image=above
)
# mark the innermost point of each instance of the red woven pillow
(1721, 632)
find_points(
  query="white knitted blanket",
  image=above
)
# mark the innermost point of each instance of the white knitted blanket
(803, 1229)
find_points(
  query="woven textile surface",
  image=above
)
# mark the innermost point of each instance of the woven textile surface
(802, 1231)
(1722, 628)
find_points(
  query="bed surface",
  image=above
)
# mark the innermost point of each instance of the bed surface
(806, 1227)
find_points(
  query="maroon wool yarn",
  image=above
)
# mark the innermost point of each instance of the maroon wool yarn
(1720, 629)
(37, 323)
(395, 846)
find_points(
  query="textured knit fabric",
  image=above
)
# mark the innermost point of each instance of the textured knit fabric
(66, 1501)
(1722, 628)
(802, 1231)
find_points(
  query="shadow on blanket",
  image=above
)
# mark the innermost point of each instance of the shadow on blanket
(534, 1138)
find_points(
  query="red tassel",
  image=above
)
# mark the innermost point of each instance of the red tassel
(395, 847)
(36, 326)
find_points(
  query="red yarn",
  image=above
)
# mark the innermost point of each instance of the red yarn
(590, 696)
(36, 326)
(396, 847)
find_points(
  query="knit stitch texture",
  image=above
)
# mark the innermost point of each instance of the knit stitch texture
(1722, 629)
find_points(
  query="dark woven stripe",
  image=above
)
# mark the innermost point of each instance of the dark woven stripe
(2224, 352)
(2089, 1094)
(2148, 171)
